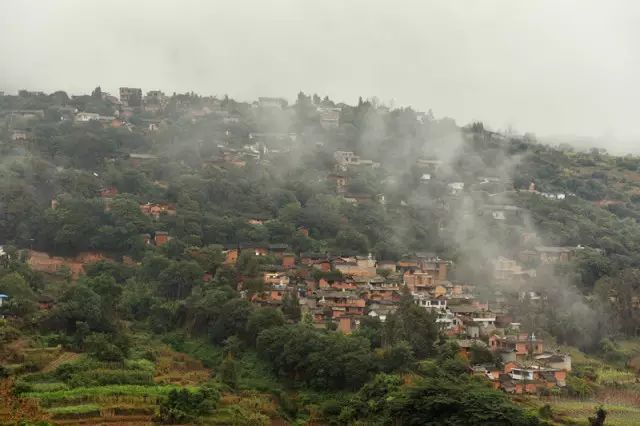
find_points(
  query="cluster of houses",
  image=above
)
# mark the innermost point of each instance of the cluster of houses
(525, 366)
(341, 291)
(344, 159)
(20, 122)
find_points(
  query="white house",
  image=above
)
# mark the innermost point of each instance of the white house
(429, 303)
(455, 187)
(498, 215)
(87, 116)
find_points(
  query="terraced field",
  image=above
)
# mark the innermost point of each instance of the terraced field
(577, 412)
(75, 389)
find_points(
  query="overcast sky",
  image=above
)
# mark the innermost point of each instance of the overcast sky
(550, 67)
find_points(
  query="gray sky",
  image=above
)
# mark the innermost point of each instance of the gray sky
(550, 67)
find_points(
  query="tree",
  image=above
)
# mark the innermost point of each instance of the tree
(106, 287)
(112, 347)
(78, 304)
(204, 307)
(480, 355)
(371, 328)
(322, 360)
(22, 299)
(232, 320)
(464, 402)
(228, 373)
(351, 240)
(183, 406)
(97, 93)
(210, 257)
(291, 306)
(397, 357)
(598, 420)
(287, 349)
(177, 280)
(413, 324)
(262, 319)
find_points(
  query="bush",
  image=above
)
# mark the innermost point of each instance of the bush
(229, 372)
(182, 406)
(102, 347)
(579, 387)
(140, 364)
(397, 357)
(8, 334)
(545, 411)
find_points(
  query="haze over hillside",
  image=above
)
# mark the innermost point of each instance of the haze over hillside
(548, 67)
(330, 213)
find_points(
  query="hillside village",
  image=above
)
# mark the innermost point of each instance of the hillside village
(334, 215)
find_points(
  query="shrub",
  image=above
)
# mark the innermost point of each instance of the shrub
(182, 406)
(102, 347)
(4, 372)
(545, 411)
(140, 364)
(579, 387)
(229, 372)
(8, 334)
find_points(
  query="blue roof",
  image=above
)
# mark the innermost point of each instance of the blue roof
(3, 296)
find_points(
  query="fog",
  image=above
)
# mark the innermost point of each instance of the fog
(548, 67)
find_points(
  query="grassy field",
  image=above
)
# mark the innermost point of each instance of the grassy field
(613, 376)
(97, 391)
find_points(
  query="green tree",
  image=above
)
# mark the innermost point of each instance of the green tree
(291, 306)
(97, 93)
(396, 358)
(78, 304)
(412, 324)
(232, 320)
(22, 299)
(599, 418)
(228, 373)
(177, 280)
(183, 406)
(262, 319)
(445, 401)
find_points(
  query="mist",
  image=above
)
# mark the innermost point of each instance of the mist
(553, 68)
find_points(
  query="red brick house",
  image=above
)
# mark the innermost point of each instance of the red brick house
(161, 238)
(347, 303)
(157, 209)
(231, 256)
(384, 293)
(522, 344)
(108, 192)
(417, 281)
(288, 260)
